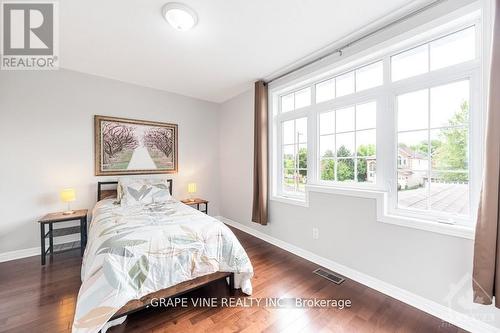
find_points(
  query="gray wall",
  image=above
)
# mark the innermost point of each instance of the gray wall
(425, 263)
(46, 143)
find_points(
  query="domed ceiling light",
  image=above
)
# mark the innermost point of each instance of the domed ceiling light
(179, 16)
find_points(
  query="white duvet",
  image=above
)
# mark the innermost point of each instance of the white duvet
(134, 251)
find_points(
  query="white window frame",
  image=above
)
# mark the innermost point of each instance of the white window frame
(470, 72)
(385, 186)
(351, 100)
(279, 118)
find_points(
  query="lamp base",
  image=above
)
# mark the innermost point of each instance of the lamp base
(69, 212)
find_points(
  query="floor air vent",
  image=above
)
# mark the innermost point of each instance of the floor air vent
(329, 275)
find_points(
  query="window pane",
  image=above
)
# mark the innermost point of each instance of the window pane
(413, 110)
(287, 103)
(449, 192)
(450, 149)
(453, 49)
(366, 143)
(450, 104)
(289, 180)
(301, 180)
(412, 194)
(325, 91)
(366, 115)
(327, 122)
(289, 156)
(367, 168)
(412, 153)
(369, 76)
(412, 169)
(327, 169)
(303, 98)
(345, 144)
(345, 84)
(345, 119)
(327, 145)
(288, 132)
(302, 158)
(410, 63)
(301, 130)
(345, 170)
(294, 151)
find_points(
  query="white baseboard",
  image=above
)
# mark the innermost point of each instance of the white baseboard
(35, 251)
(438, 310)
(19, 254)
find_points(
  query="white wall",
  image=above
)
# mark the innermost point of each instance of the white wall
(424, 263)
(46, 143)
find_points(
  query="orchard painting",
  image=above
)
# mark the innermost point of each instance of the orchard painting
(127, 146)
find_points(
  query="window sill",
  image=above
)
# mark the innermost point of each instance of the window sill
(297, 201)
(456, 230)
(371, 192)
(383, 216)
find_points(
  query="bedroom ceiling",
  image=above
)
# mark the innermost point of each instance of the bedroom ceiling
(234, 43)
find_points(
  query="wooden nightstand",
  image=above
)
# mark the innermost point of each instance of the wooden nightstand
(52, 218)
(197, 202)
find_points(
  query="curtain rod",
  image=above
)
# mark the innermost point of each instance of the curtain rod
(359, 39)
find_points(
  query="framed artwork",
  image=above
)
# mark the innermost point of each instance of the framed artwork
(129, 146)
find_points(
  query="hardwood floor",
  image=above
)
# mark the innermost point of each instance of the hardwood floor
(42, 299)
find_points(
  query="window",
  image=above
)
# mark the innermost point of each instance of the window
(325, 91)
(296, 100)
(348, 143)
(433, 142)
(414, 132)
(449, 50)
(294, 148)
(369, 76)
(410, 63)
(363, 78)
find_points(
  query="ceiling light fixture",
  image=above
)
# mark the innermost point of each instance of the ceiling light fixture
(179, 16)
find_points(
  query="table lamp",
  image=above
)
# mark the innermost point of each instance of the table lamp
(68, 195)
(191, 190)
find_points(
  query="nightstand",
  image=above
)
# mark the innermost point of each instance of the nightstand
(50, 219)
(197, 202)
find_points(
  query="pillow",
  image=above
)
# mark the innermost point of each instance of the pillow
(123, 181)
(143, 191)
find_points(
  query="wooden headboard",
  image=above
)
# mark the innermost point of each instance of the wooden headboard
(111, 193)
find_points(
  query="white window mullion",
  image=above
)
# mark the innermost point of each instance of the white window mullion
(386, 134)
(355, 153)
(312, 140)
(386, 137)
(335, 157)
(279, 158)
(296, 154)
(476, 141)
(429, 150)
(312, 147)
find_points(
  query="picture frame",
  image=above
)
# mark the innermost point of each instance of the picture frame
(125, 146)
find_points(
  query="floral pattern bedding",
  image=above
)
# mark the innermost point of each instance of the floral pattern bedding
(136, 250)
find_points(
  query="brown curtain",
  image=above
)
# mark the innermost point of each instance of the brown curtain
(486, 273)
(260, 166)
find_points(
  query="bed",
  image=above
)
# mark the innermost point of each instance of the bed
(140, 253)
